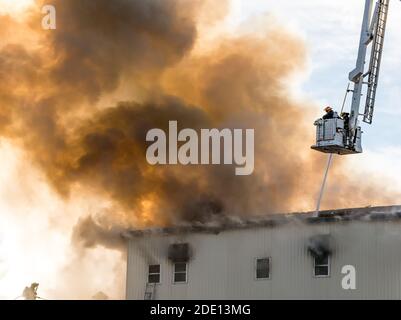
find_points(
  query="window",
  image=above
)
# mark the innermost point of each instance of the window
(262, 268)
(322, 266)
(154, 273)
(180, 272)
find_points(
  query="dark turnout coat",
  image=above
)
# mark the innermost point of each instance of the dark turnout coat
(329, 115)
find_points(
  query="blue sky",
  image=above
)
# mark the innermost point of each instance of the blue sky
(330, 30)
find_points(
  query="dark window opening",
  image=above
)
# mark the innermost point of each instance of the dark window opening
(179, 252)
(180, 272)
(154, 273)
(263, 268)
(322, 266)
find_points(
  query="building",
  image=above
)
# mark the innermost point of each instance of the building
(296, 256)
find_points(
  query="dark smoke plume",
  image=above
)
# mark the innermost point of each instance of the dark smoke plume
(54, 103)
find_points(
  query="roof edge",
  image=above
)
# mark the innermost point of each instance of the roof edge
(226, 223)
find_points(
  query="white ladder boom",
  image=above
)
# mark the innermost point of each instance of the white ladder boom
(375, 58)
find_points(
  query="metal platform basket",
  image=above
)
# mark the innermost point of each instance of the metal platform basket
(331, 137)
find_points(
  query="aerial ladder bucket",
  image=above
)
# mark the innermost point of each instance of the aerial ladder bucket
(342, 134)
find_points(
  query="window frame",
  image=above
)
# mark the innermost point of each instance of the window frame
(186, 273)
(155, 273)
(328, 265)
(255, 273)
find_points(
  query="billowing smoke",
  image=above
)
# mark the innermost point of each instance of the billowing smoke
(80, 100)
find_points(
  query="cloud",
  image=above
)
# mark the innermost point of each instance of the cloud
(93, 179)
(331, 31)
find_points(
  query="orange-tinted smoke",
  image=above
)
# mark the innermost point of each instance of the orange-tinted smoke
(50, 104)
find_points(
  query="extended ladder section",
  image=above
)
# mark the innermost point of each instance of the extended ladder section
(375, 58)
(149, 291)
(342, 134)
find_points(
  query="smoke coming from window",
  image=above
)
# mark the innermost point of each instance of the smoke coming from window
(79, 100)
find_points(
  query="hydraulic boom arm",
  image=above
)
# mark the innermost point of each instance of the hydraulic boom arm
(373, 31)
(342, 134)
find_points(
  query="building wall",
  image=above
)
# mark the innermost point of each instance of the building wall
(223, 265)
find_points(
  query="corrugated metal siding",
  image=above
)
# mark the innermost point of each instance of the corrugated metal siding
(223, 265)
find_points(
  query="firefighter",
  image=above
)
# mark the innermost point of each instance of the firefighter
(345, 117)
(329, 113)
(30, 293)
